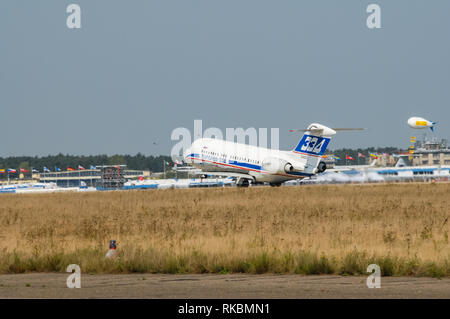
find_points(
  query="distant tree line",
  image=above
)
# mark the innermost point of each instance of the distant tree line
(138, 162)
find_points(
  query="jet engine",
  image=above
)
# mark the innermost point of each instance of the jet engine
(277, 165)
(321, 167)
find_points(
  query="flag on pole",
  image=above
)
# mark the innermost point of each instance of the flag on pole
(361, 155)
(12, 170)
(23, 170)
(92, 167)
(349, 157)
(2, 171)
(80, 167)
(57, 169)
(33, 170)
(70, 169)
(46, 169)
(373, 155)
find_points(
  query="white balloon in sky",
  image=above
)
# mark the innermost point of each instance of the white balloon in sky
(419, 122)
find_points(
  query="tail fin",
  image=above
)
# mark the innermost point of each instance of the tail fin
(313, 145)
(432, 126)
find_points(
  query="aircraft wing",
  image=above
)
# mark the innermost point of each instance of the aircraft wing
(349, 168)
(341, 168)
(227, 174)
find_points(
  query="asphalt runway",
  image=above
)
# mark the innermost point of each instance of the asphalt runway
(240, 286)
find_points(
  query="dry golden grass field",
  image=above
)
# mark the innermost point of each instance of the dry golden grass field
(307, 230)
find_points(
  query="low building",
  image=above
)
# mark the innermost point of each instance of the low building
(432, 152)
(89, 176)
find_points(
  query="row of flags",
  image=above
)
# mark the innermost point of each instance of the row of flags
(373, 155)
(12, 170)
(176, 162)
(45, 169)
(348, 157)
(57, 169)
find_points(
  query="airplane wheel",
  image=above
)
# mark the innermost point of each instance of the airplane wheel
(275, 184)
(244, 183)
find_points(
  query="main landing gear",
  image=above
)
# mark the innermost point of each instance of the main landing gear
(275, 184)
(243, 182)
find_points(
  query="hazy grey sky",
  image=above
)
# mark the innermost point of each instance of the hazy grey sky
(138, 69)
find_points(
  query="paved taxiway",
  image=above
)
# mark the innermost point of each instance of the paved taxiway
(53, 285)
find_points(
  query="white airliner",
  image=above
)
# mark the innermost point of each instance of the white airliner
(247, 163)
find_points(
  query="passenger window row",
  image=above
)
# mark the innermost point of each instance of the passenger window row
(234, 157)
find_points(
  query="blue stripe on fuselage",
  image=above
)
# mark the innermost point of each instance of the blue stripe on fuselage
(243, 164)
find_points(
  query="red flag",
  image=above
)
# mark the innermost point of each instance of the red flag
(70, 169)
(23, 170)
(349, 157)
(80, 167)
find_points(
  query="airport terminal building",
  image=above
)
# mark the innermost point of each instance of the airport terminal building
(91, 177)
(425, 153)
(431, 153)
